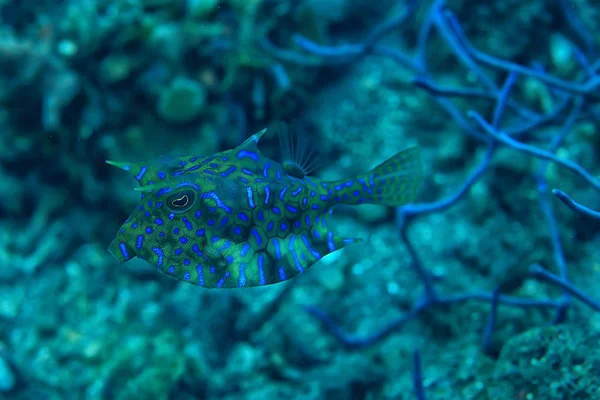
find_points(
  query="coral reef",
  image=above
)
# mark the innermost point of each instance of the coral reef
(486, 288)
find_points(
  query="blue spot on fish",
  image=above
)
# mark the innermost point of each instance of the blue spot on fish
(249, 154)
(123, 249)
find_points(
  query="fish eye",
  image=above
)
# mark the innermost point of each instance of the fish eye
(181, 201)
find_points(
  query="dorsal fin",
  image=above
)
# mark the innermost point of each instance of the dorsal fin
(297, 157)
(251, 144)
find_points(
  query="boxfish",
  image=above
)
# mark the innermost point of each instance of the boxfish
(240, 219)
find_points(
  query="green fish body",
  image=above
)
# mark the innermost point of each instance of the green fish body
(240, 219)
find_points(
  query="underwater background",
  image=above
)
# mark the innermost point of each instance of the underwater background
(486, 287)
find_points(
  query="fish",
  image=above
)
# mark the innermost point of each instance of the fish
(240, 219)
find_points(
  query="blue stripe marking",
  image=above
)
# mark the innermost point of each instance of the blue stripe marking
(260, 216)
(189, 184)
(247, 171)
(224, 222)
(200, 272)
(314, 253)
(229, 171)
(257, 236)
(187, 223)
(124, 251)
(276, 210)
(281, 273)
(266, 170)
(278, 173)
(267, 194)
(196, 250)
(139, 176)
(277, 248)
(250, 196)
(270, 226)
(330, 242)
(186, 276)
(249, 154)
(245, 249)
(195, 167)
(371, 180)
(158, 251)
(224, 247)
(307, 220)
(291, 208)
(140, 242)
(222, 280)
(293, 251)
(220, 203)
(309, 181)
(242, 279)
(297, 191)
(282, 193)
(261, 273)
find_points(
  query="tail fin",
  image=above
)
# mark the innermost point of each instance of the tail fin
(392, 183)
